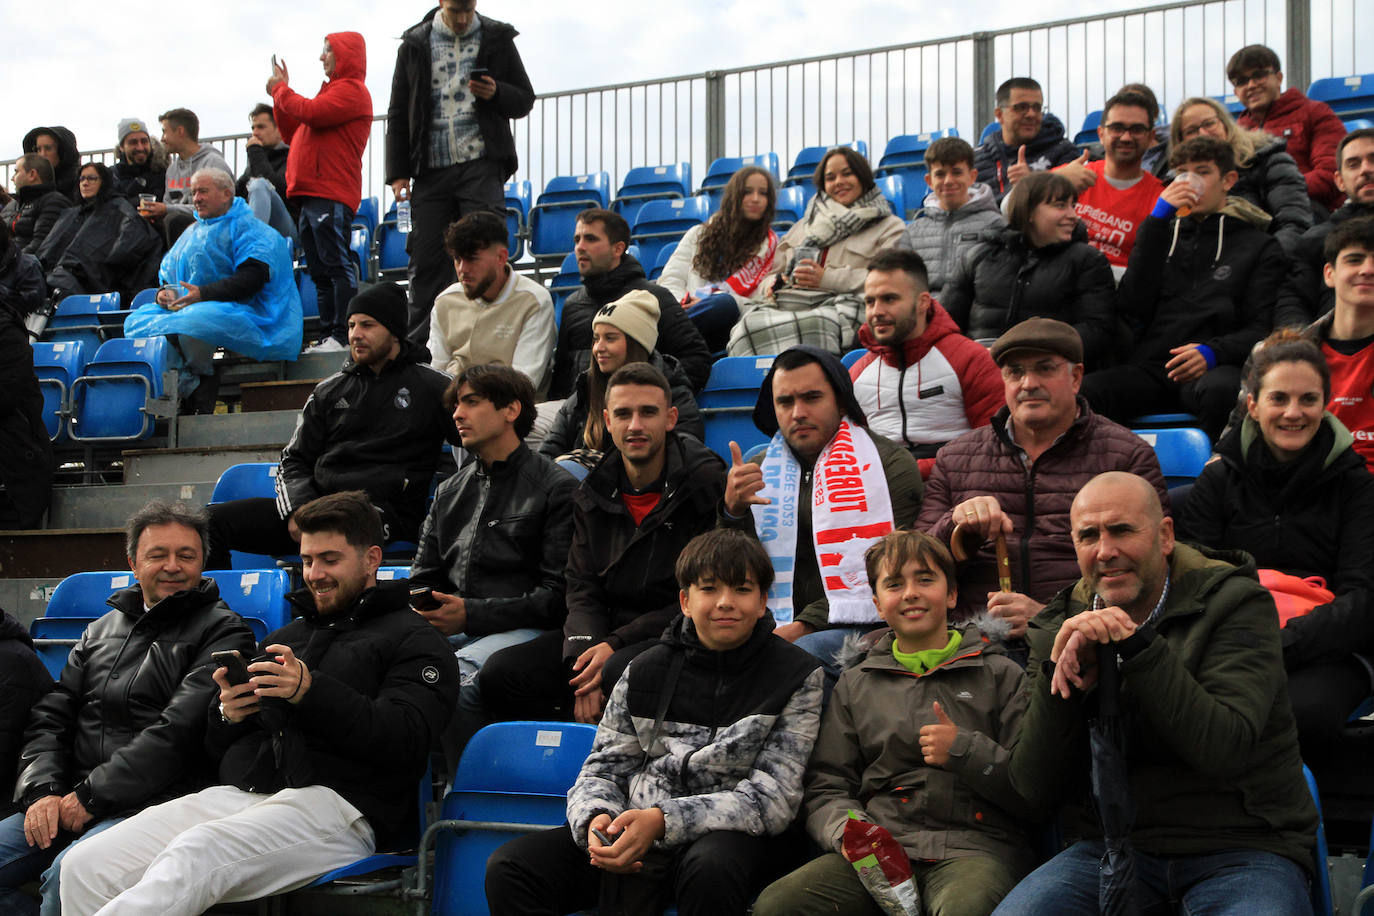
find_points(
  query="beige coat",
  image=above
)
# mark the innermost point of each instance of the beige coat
(846, 261)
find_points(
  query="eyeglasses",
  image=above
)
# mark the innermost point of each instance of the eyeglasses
(1116, 129)
(89, 179)
(1208, 124)
(1246, 79)
(1015, 372)
(1023, 107)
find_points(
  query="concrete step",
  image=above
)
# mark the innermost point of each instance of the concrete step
(109, 506)
(57, 553)
(276, 396)
(264, 427)
(190, 465)
(27, 599)
(315, 366)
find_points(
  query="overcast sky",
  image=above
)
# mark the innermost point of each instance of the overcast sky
(75, 66)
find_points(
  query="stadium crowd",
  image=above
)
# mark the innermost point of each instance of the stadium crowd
(952, 600)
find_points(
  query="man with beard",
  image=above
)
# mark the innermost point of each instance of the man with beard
(492, 314)
(1113, 207)
(140, 168)
(319, 751)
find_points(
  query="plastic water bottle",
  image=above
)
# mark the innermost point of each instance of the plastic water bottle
(403, 215)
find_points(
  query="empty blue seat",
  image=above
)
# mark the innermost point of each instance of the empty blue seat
(651, 182)
(852, 357)
(392, 573)
(804, 166)
(727, 402)
(1358, 124)
(360, 246)
(115, 389)
(77, 317)
(368, 209)
(1182, 452)
(143, 297)
(310, 302)
(790, 207)
(58, 364)
(988, 131)
(250, 480)
(554, 217)
(84, 594)
(1088, 135)
(391, 252)
(519, 195)
(563, 284)
(517, 198)
(909, 150)
(259, 593)
(664, 221)
(661, 261)
(1348, 96)
(513, 778)
(894, 189)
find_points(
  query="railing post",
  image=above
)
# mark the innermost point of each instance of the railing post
(984, 88)
(715, 115)
(1297, 64)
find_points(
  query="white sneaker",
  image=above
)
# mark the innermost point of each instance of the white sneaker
(328, 345)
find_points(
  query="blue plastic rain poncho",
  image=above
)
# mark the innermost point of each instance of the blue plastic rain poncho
(267, 326)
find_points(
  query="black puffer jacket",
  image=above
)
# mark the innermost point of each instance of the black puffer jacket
(1273, 183)
(23, 682)
(99, 246)
(566, 432)
(33, 214)
(26, 464)
(68, 159)
(408, 114)
(383, 685)
(621, 587)
(1211, 281)
(378, 433)
(677, 336)
(498, 538)
(1003, 280)
(1311, 517)
(123, 728)
(149, 178)
(265, 162)
(1050, 148)
(1305, 295)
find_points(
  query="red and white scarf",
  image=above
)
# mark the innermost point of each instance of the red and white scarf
(744, 281)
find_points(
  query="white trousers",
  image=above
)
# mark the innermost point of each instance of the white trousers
(222, 844)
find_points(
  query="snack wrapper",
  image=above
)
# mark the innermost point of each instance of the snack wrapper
(882, 865)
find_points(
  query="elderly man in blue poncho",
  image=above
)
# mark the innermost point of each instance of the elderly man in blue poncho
(226, 282)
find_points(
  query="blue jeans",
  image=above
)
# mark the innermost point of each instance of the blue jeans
(714, 316)
(268, 207)
(1240, 881)
(472, 653)
(825, 644)
(324, 227)
(21, 863)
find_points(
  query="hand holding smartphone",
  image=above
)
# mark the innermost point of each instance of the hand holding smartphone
(602, 838)
(237, 668)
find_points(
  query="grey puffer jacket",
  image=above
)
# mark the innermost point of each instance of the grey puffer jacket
(733, 746)
(865, 758)
(938, 235)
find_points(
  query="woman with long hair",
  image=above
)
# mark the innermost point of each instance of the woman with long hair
(1266, 175)
(1039, 266)
(718, 268)
(1290, 490)
(625, 331)
(815, 293)
(101, 245)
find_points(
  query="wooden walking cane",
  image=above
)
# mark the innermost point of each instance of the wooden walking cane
(960, 548)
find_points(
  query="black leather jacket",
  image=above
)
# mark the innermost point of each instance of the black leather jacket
(383, 683)
(498, 538)
(123, 728)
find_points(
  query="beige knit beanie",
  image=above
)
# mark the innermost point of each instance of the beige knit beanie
(636, 314)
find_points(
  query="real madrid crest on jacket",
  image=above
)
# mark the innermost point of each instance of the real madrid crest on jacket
(377, 432)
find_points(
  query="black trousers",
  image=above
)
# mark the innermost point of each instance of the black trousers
(1323, 696)
(548, 873)
(250, 525)
(530, 681)
(1122, 393)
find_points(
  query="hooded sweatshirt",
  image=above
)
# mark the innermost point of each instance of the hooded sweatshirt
(327, 134)
(181, 169)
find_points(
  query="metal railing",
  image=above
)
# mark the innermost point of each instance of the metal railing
(1179, 49)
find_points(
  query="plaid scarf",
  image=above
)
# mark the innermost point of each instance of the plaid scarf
(828, 222)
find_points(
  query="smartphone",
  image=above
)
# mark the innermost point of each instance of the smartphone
(602, 838)
(238, 668)
(479, 72)
(422, 599)
(274, 62)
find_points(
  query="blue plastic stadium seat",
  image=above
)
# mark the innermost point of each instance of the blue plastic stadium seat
(894, 189)
(512, 774)
(391, 251)
(392, 573)
(1321, 885)
(77, 317)
(719, 171)
(1182, 452)
(250, 480)
(1162, 420)
(664, 221)
(727, 402)
(651, 182)
(988, 131)
(115, 389)
(379, 861)
(310, 302)
(852, 357)
(58, 364)
(1358, 124)
(84, 594)
(554, 217)
(562, 286)
(517, 201)
(360, 246)
(1088, 135)
(259, 593)
(790, 207)
(804, 166)
(59, 627)
(1349, 96)
(905, 155)
(367, 215)
(661, 261)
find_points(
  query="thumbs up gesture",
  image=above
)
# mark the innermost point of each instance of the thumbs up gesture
(937, 739)
(742, 484)
(1079, 173)
(1018, 170)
